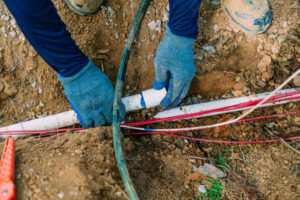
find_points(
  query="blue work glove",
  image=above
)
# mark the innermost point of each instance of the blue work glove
(91, 94)
(175, 68)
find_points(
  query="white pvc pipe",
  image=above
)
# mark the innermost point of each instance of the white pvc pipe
(220, 104)
(50, 122)
(148, 99)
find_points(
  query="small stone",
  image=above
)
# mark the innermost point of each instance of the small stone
(202, 189)
(239, 85)
(12, 34)
(210, 49)
(267, 75)
(152, 25)
(264, 63)
(61, 195)
(237, 93)
(216, 27)
(158, 25)
(284, 24)
(296, 81)
(165, 16)
(111, 11)
(33, 84)
(30, 170)
(261, 84)
(10, 90)
(40, 90)
(41, 104)
(198, 56)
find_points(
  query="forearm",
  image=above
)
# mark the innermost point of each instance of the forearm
(43, 28)
(184, 17)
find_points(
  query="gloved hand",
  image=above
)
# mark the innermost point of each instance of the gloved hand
(90, 94)
(174, 66)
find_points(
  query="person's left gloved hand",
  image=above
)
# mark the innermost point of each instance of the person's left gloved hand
(90, 94)
(174, 67)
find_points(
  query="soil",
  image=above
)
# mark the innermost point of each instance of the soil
(82, 165)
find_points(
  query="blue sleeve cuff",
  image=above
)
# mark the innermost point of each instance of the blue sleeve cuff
(184, 17)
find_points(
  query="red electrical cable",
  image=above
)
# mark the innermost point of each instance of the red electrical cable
(243, 120)
(230, 142)
(228, 108)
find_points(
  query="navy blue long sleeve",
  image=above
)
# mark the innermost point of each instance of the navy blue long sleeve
(184, 17)
(43, 28)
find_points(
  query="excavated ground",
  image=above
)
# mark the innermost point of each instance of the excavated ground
(82, 165)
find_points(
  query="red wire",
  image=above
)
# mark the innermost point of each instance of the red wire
(230, 142)
(228, 108)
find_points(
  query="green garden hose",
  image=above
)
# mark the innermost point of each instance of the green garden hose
(117, 99)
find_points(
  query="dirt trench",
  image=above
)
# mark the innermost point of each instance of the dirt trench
(82, 165)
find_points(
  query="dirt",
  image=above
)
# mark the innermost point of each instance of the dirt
(82, 165)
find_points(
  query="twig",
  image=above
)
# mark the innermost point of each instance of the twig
(199, 158)
(289, 146)
(282, 140)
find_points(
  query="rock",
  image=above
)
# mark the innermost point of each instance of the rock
(284, 24)
(165, 16)
(209, 49)
(239, 85)
(267, 75)
(61, 195)
(213, 2)
(12, 34)
(33, 84)
(210, 170)
(237, 93)
(111, 11)
(264, 63)
(198, 56)
(202, 189)
(155, 25)
(261, 84)
(10, 90)
(296, 81)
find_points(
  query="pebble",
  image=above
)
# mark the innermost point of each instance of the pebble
(40, 90)
(155, 25)
(5, 17)
(264, 63)
(165, 16)
(12, 34)
(33, 84)
(239, 86)
(261, 84)
(202, 189)
(111, 11)
(237, 93)
(198, 56)
(284, 24)
(296, 81)
(41, 104)
(209, 49)
(61, 195)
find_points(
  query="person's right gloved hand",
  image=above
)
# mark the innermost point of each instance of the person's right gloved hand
(174, 67)
(90, 94)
